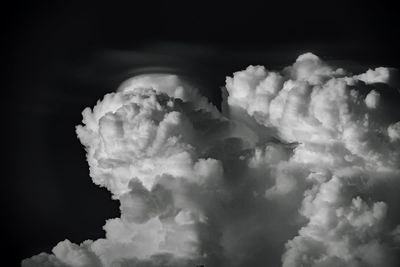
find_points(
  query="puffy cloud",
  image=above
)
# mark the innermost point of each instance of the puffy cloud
(341, 230)
(143, 152)
(140, 146)
(317, 105)
(310, 68)
(139, 134)
(325, 112)
(43, 260)
(66, 254)
(372, 99)
(173, 86)
(378, 75)
(394, 131)
(300, 169)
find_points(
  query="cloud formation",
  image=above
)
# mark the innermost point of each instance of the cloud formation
(300, 168)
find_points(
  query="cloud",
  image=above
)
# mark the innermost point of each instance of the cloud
(372, 99)
(394, 132)
(322, 110)
(299, 169)
(173, 86)
(378, 75)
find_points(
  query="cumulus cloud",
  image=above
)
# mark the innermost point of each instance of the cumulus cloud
(378, 75)
(394, 131)
(297, 170)
(372, 99)
(173, 86)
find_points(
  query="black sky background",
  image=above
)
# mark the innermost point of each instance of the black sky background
(61, 57)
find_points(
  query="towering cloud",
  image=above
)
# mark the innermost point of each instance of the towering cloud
(301, 168)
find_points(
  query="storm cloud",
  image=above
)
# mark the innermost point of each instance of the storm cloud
(300, 168)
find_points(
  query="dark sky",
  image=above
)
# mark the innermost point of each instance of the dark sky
(62, 57)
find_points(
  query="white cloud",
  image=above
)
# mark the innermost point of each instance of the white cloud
(394, 131)
(339, 230)
(372, 99)
(139, 134)
(378, 75)
(323, 110)
(290, 174)
(171, 85)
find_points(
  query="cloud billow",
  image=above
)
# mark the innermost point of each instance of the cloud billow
(300, 168)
